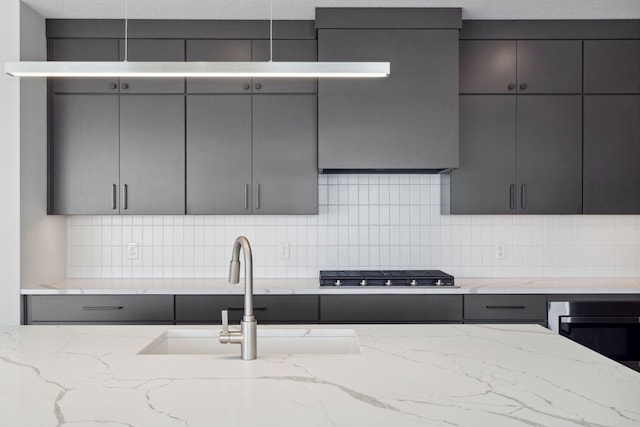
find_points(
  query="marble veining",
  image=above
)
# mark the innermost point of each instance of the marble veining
(312, 287)
(407, 375)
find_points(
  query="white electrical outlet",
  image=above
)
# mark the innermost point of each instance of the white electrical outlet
(133, 250)
(283, 250)
(499, 251)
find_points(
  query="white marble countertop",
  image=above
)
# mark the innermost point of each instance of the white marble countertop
(406, 375)
(311, 286)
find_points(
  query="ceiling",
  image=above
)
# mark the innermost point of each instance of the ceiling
(304, 9)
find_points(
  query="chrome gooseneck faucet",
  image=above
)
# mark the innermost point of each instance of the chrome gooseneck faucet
(247, 334)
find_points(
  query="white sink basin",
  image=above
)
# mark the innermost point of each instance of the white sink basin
(270, 341)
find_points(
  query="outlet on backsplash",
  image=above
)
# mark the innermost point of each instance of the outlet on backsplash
(499, 252)
(283, 250)
(133, 251)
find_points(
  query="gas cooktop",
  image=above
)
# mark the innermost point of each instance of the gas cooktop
(433, 278)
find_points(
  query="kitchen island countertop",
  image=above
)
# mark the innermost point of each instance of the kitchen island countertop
(305, 286)
(406, 375)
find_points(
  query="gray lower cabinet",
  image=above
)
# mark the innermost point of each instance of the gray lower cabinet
(612, 66)
(505, 308)
(611, 154)
(103, 309)
(206, 309)
(406, 121)
(391, 308)
(84, 50)
(522, 66)
(519, 154)
(252, 154)
(152, 154)
(84, 154)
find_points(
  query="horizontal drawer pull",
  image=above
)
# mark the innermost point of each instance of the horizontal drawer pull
(506, 307)
(103, 307)
(242, 308)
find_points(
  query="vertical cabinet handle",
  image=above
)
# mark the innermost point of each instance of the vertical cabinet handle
(257, 196)
(114, 197)
(523, 196)
(126, 196)
(512, 188)
(246, 196)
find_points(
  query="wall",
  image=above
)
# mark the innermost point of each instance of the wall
(43, 238)
(365, 222)
(9, 166)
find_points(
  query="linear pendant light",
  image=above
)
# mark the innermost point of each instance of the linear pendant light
(199, 69)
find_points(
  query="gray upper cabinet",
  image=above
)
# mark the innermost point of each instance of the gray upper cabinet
(549, 143)
(611, 154)
(549, 66)
(84, 50)
(488, 66)
(406, 121)
(523, 66)
(152, 154)
(152, 50)
(285, 173)
(285, 51)
(218, 154)
(485, 183)
(612, 66)
(84, 155)
(252, 154)
(221, 51)
(519, 154)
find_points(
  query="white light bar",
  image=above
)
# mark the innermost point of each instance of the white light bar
(200, 69)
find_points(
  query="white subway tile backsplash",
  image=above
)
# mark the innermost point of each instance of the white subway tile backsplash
(366, 222)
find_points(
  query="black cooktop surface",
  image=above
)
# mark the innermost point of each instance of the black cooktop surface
(385, 278)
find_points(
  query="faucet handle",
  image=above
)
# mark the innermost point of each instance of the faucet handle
(225, 322)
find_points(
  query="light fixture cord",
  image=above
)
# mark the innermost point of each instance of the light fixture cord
(126, 30)
(270, 30)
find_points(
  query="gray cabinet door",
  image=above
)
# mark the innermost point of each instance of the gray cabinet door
(488, 66)
(612, 66)
(612, 154)
(84, 50)
(390, 308)
(84, 154)
(219, 50)
(219, 154)
(485, 181)
(152, 50)
(549, 66)
(505, 308)
(152, 154)
(549, 129)
(285, 161)
(406, 121)
(285, 51)
(269, 309)
(102, 309)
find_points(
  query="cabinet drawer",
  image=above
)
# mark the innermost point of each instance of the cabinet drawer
(267, 309)
(390, 308)
(100, 308)
(505, 307)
